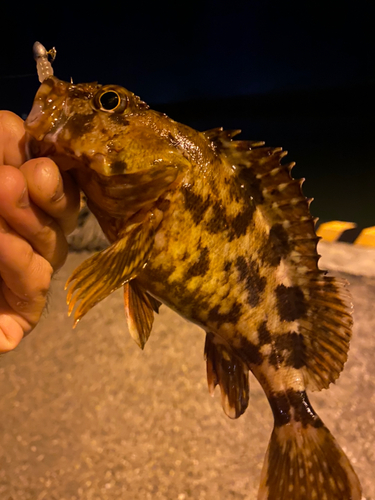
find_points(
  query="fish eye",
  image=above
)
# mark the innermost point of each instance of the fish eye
(110, 100)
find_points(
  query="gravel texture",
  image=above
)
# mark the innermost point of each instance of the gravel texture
(85, 414)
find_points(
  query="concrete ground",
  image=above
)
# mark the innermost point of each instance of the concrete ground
(85, 414)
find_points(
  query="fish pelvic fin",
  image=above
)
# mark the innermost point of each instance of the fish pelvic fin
(303, 460)
(139, 312)
(104, 272)
(228, 371)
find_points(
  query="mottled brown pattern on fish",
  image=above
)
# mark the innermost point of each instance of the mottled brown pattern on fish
(250, 352)
(227, 265)
(290, 302)
(80, 123)
(278, 245)
(254, 282)
(195, 204)
(118, 167)
(264, 335)
(232, 316)
(287, 407)
(119, 119)
(251, 185)
(228, 243)
(241, 222)
(217, 222)
(201, 266)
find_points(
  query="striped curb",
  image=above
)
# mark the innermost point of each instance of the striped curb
(347, 232)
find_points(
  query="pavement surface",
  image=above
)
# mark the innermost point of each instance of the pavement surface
(85, 414)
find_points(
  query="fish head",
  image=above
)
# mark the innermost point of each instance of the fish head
(111, 140)
(89, 122)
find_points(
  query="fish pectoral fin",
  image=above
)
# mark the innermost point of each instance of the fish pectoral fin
(104, 272)
(139, 311)
(224, 368)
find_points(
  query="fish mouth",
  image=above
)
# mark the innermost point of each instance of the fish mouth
(36, 149)
(48, 109)
(45, 123)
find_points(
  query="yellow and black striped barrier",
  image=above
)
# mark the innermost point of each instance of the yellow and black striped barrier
(347, 232)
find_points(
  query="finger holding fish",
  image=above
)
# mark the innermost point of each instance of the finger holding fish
(25, 279)
(16, 206)
(32, 225)
(53, 191)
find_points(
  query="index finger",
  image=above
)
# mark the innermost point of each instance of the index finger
(12, 139)
(52, 191)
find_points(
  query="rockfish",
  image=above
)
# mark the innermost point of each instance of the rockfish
(219, 231)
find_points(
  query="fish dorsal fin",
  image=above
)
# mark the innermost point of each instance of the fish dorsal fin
(218, 134)
(278, 196)
(139, 311)
(223, 138)
(228, 371)
(324, 330)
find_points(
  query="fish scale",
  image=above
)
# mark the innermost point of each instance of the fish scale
(218, 230)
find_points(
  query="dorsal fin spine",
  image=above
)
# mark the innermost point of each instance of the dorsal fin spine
(281, 202)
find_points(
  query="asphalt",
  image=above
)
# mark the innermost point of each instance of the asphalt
(86, 415)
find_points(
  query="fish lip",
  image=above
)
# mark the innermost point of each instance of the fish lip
(34, 115)
(45, 113)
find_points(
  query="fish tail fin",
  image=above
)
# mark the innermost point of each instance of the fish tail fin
(304, 462)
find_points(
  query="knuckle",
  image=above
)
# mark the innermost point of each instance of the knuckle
(9, 121)
(46, 233)
(12, 185)
(7, 345)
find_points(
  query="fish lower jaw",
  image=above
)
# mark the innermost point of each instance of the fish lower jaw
(37, 149)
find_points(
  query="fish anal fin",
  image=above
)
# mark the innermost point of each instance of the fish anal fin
(228, 371)
(139, 312)
(105, 271)
(305, 462)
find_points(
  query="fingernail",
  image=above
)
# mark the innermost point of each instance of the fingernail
(23, 201)
(59, 193)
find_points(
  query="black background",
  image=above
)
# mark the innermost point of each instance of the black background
(298, 75)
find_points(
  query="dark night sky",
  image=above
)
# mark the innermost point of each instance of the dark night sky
(297, 74)
(204, 49)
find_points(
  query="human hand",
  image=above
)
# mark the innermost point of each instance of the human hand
(38, 207)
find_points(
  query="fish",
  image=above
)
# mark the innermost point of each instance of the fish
(216, 229)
